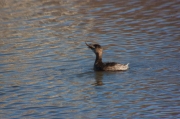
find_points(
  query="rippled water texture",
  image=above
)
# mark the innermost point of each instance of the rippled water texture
(46, 70)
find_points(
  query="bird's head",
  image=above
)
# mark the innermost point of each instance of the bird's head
(96, 48)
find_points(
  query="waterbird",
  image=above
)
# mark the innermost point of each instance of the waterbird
(109, 66)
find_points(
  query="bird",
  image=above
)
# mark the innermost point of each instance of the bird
(109, 66)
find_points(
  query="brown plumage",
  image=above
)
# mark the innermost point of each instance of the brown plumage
(99, 65)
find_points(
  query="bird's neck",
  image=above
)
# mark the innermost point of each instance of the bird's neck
(98, 59)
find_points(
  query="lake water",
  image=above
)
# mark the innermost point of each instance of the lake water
(46, 70)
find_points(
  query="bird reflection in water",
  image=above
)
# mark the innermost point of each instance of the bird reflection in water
(98, 78)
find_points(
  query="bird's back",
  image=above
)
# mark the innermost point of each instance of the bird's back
(112, 66)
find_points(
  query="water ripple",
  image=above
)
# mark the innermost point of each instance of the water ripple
(46, 71)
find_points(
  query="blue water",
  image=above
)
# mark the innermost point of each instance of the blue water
(46, 70)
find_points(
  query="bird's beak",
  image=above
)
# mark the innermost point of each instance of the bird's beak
(90, 46)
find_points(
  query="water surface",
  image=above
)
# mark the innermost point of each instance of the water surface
(46, 70)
